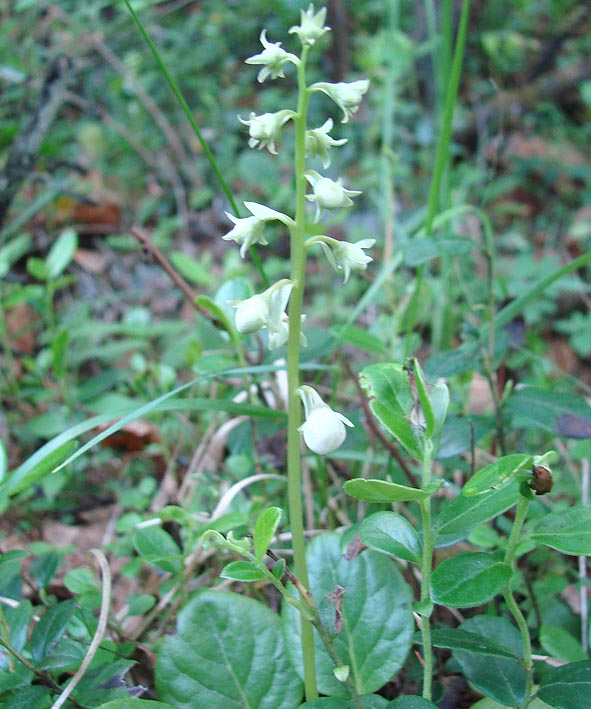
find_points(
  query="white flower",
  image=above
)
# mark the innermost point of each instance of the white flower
(272, 58)
(246, 232)
(347, 96)
(324, 429)
(311, 25)
(319, 142)
(328, 194)
(266, 310)
(249, 230)
(264, 129)
(343, 255)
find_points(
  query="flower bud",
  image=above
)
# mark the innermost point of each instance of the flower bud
(311, 26)
(324, 429)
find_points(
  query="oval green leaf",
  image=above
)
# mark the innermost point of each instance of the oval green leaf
(228, 653)
(495, 475)
(569, 532)
(567, 687)
(468, 579)
(264, 530)
(245, 571)
(383, 491)
(377, 617)
(391, 533)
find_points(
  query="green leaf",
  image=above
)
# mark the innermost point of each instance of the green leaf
(561, 413)
(568, 531)
(460, 639)
(383, 491)
(18, 619)
(242, 571)
(192, 269)
(411, 702)
(37, 268)
(495, 475)
(376, 612)
(502, 679)
(567, 687)
(61, 253)
(25, 477)
(3, 461)
(264, 530)
(370, 701)
(228, 653)
(360, 338)
(391, 533)
(49, 630)
(558, 642)
(424, 398)
(391, 401)
(459, 516)
(439, 396)
(468, 579)
(28, 697)
(157, 547)
(218, 314)
(129, 703)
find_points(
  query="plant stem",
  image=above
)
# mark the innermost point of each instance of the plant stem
(426, 569)
(512, 604)
(294, 469)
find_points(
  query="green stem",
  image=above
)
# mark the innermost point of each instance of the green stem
(174, 87)
(298, 275)
(512, 543)
(426, 570)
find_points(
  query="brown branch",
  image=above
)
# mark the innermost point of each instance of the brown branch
(375, 429)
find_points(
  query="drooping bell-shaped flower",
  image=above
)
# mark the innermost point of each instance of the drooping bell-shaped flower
(264, 130)
(328, 194)
(246, 232)
(311, 25)
(324, 429)
(347, 96)
(319, 142)
(266, 310)
(343, 255)
(273, 59)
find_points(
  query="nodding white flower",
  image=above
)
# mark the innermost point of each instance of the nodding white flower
(347, 96)
(311, 25)
(319, 142)
(272, 58)
(249, 230)
(328, 194)
(264, 129)
(266, 310)
(246, 232)
(324, 429)
(343, 255)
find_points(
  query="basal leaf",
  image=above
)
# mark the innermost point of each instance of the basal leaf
(370, 701)
(376, 617)
(48, 631)
(460, 639)
(411, 702)
(468, 579)
(228, 653)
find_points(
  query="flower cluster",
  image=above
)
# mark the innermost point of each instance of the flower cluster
(324, 429)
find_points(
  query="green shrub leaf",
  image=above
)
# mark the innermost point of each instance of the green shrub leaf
(264, 530)
(495, 475)
(391, 533)
(242, 571)
(383, 491)
(568, 531)
(567, 687)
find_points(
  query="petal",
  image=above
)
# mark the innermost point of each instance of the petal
(260, 211)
